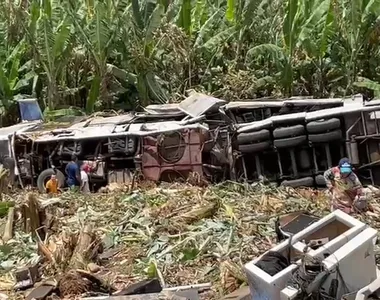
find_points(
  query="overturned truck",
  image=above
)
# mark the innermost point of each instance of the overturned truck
(298, 147)
(290, 142)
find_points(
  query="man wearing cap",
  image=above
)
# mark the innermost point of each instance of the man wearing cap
(345, 188)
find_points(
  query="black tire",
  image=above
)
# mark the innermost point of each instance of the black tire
(326, 137)
(323, 125)
(285, 132)
(251, 148)
(306, 182)
(320, 180)
(257, 136)
(290, 142)
(45, 175)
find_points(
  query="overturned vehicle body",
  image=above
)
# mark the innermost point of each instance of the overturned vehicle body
(297, 148)
(290, 142)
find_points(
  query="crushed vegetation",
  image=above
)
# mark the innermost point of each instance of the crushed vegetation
(178, 233)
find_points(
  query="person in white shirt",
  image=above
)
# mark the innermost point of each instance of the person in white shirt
(85, 187)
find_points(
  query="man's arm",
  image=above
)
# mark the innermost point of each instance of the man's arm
(329, 178)
(81, 181)
(77, 173)
(357, 185)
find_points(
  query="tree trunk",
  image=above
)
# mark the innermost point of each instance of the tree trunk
(30, 212)
(52, 95)
(84, 249)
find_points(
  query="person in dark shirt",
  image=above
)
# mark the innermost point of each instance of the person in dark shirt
(73, 172)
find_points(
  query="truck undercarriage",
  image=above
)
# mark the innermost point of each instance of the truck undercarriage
(290, 142)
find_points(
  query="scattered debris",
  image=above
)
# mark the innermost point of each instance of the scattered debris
(26, 277)
(240, 294)
(317, 261)
(93, 268)
(142, 287)
(178, 234)
(41, 292)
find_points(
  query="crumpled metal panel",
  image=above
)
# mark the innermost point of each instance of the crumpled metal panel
(198, 104)
(115, 120)
(163, 109)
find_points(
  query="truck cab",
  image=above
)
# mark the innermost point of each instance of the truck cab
(30, 116)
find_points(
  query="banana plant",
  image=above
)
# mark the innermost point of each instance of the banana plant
(97, 23)
(11, 20)
(247, 16)
(49, 33)
(13, 78)
(315, 37)
(282, 55)
(147, 17)
(369, 84)
(356, 25)
(297, 29)
(184, 19)
(205, 25)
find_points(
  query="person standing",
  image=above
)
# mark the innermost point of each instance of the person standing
(346, 190)
(72, 172)
(85, 187)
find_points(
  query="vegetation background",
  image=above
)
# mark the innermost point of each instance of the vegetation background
(78, 56)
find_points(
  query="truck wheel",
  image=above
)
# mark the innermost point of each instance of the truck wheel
(246, 138)
(320, 180)
(306, 182)
(284, 132)
(290, 142)
(251, 148)
(45, 176)
(323, 125)
(326, 137)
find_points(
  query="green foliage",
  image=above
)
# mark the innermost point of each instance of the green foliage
(369, 84)
(98, 54)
